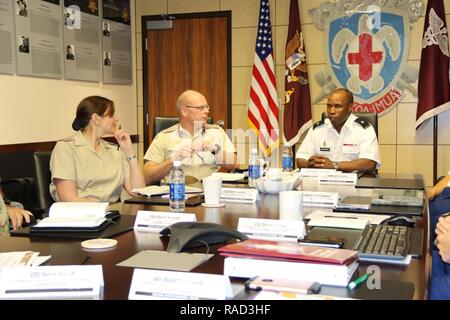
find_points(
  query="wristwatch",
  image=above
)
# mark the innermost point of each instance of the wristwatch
(336, 165)
(131, 157)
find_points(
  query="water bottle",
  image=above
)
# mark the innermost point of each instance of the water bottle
(287, 159)
(177, 189)
(253, 168)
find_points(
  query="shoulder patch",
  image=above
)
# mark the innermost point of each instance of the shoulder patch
(318, 123)
(363, 123)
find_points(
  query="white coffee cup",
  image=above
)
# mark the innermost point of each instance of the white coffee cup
(291, 205)
(274, 174)
(212, 187)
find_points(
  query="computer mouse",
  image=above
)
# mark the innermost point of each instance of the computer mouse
(400, 221)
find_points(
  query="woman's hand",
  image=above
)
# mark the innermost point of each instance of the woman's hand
(124, 141)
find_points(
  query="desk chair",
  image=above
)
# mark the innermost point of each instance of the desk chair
(161, 123)
(371, 117)
(43, 179)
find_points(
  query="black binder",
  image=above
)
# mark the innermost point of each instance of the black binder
(158, 200)
(123, 224)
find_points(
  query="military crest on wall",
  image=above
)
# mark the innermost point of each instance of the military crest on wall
(366, 50)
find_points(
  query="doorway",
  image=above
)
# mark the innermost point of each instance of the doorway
(192, 51)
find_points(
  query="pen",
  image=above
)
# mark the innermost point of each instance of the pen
(341, 217)
(199, 156)
(352, 285)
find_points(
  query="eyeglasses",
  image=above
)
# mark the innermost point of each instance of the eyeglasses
(200, 108)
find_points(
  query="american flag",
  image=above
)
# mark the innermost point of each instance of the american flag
(262, 114)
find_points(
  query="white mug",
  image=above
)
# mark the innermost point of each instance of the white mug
(274, 174)
(291, 205)
(212, 186)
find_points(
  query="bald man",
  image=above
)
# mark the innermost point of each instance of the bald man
(202, 148)
(343, 141)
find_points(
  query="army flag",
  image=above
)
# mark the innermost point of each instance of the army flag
(434, 86)
(297, 109)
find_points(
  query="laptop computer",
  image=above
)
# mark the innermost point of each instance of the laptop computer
(393, 183)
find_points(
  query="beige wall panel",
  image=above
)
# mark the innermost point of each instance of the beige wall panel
(408, 96)
(239, 119)
(241, 84)
(416, 159)
(443, 128)
(313, 85)
(186, 6)
(280, 44)
(305, 6)
(406, 133)
(243, 52)
(279, 73)
(386, 127)
(415, 49)
(388, 158)
(282, 12)
(317, 111)
(139, 51)
(443, 160)
(314, 39)
(245, 13)
(140, 88)
(140, 125)
(149, 8)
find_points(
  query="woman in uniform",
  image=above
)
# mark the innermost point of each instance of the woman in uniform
(85, 167)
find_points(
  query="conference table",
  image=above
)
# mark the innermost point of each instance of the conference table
(66, 251)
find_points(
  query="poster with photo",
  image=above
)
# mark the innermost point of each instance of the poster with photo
(116, 42)
(7, 43)
(82, 33)
(39, 40)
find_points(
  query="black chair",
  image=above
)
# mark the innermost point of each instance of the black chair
(43, 179)
(371, 117)
(161, 123)
(17, 177)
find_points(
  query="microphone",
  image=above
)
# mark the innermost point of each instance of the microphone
(220, 123)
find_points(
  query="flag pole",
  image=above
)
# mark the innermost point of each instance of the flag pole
(435, 137)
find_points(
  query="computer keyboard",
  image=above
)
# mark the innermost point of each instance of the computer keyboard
(397, 197)
(383, 242)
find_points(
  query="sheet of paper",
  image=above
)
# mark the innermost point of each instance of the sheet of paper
(373, 218)
(162, 260)
(17, 258)
(161, 190)
(157, 284)
(78, 209)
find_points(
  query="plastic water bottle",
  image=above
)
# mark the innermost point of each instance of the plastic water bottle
(253, 168)
(177, 187)
(287, 159)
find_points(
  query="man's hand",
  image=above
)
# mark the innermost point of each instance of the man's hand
(16, 215)
(182, 153)
(443, 244)
(320, 162)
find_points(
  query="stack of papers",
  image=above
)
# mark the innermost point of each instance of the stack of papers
(229, 176)
(320, 199)
(161, 190)
(21, 259)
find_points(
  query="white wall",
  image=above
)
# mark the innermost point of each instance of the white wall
(38, 109)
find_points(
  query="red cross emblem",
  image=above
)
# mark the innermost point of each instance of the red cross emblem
(365, 58)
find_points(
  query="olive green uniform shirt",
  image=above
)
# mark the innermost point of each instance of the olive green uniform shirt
(98, 175)
(4, 230)
(200, 165)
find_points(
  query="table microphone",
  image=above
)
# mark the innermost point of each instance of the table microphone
(220, 123)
